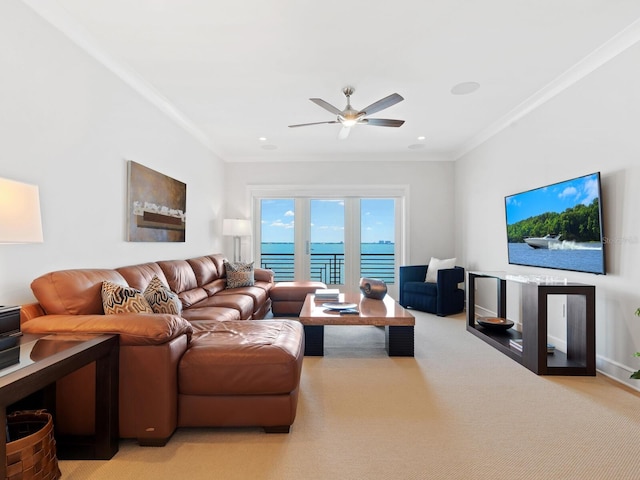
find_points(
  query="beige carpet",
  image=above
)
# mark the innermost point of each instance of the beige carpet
(458, 410)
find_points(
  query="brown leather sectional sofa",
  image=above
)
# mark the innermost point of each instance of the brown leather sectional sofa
(219, 363)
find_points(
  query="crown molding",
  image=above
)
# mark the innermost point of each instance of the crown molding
(607, 51)
(59, 18)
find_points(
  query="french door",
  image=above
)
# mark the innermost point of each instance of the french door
(332, 239)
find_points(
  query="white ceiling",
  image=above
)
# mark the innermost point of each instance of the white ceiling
(234, 71)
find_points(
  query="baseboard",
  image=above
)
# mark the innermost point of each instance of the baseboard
(484, 312)
(616, 371)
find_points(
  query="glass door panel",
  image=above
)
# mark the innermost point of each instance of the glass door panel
(277, 237)
(377, 238)
(327, 237)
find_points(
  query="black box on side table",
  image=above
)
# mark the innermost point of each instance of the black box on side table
(9, 320)
(9, 333)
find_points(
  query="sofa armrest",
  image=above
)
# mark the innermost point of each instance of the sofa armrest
(449, 278)
(31, 310)
(450, 299)
(264, 275)
(410, 273)
(133, 329)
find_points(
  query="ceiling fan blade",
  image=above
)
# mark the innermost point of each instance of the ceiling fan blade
(314, 123)
(386, 102)
(344, 133)
(326, 105)
(382, 122)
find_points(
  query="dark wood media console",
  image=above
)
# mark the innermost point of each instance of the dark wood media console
(580, 358)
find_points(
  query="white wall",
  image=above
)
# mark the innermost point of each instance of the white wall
(430, 203)
(68, 125)
(591, 126)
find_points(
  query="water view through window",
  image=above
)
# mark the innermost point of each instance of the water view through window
(377, 230)
(327, 237)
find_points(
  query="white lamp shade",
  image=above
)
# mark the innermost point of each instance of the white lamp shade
(236, 227)
(20, 220)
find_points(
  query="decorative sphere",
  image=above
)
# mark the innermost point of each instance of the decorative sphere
(373, 288)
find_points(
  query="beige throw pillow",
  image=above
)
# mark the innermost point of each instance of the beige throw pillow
(436, 264)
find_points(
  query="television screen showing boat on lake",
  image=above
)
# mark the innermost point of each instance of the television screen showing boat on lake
(558, 226)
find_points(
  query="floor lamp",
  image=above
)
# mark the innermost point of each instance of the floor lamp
(236, 228)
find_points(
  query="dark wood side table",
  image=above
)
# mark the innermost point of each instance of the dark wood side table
(41, 360)
(580, 357)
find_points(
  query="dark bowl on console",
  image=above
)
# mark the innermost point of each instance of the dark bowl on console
(495, 323)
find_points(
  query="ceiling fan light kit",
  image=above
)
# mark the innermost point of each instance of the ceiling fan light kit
(350, 117)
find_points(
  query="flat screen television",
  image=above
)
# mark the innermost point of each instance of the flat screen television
(558, 226)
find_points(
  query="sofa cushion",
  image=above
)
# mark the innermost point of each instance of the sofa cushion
(239, 274)
(436, 264)
(139, 276)
(222, 314)
(421, 288)
(266, 286)
(218, 260)
(161, 299)
(242, 358)
(242, 303)
(120, 299)
(192, 296)
(179, 274)
(204, 269)
(182, 280)
(258, 295)
(73, 292)
(215, 287)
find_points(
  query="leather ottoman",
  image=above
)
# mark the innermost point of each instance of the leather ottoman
(287, 298)
(241, 373)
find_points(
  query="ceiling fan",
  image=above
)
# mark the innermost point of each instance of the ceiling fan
(350, 116)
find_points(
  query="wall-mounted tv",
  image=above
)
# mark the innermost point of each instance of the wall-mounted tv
(558, 226)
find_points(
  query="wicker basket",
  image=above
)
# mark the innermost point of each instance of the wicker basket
(31, 451)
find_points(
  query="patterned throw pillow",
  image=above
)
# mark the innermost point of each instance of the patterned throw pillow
(161, 298)
(239, 274)
(120, 299)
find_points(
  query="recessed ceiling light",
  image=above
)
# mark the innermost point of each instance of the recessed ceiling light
(269, 147)
(421, 137)
(416, 146)
(465, 88)
(263, 139)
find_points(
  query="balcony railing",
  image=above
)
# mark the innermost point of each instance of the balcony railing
(378, 265)
(329, 267)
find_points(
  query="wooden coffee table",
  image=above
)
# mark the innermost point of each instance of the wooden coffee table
(397, 321)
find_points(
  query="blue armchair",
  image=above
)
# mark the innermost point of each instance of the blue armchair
(442, 298)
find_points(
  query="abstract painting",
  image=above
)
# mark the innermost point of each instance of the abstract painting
(156, 204)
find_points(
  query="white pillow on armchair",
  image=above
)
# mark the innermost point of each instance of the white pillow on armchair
(436, 264)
